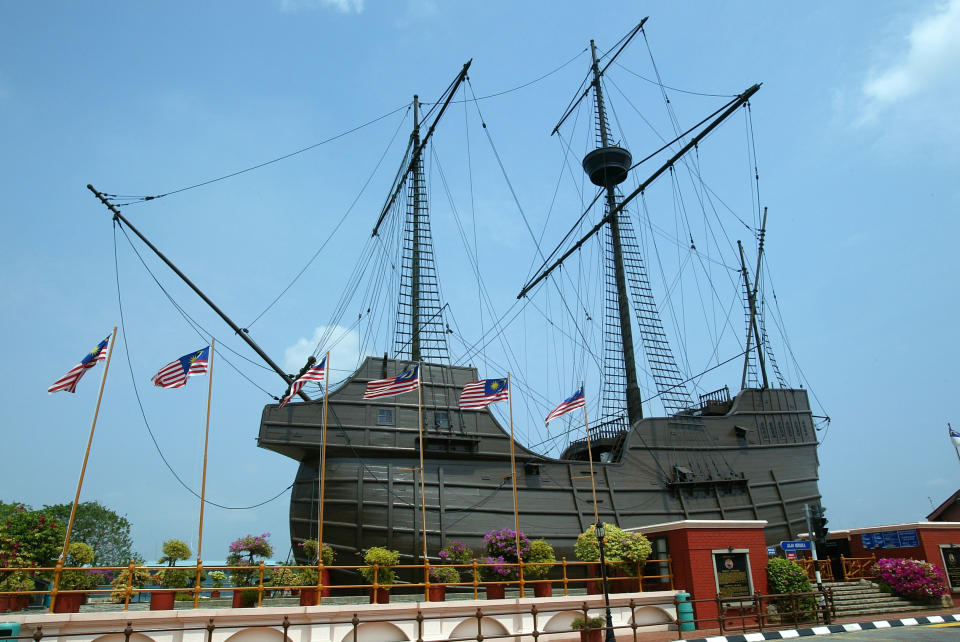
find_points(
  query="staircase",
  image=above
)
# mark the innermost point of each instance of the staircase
(865, 598)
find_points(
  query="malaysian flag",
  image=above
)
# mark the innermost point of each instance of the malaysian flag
(69, 381)
(570, 403)
(313, 373)
(174, 374)
(406, 381)
(954, 435)
(481, 394)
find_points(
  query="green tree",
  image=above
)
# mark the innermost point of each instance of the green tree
(35, 536)
(104, 530)
(7, 509)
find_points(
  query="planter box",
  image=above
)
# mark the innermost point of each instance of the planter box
(543, 589)
(380, 596)
(437, 592)
(68, 603)
(238, 598)
(162, 600)
(496, 591)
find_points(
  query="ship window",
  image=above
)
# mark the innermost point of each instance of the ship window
(763, 431)
(385, 416)
(780, 428)
(441, 419)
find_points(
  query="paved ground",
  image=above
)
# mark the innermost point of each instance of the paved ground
(918, 633)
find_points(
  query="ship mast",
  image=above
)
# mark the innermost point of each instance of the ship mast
(608, 167)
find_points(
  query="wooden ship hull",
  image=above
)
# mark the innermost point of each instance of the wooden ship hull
(750, 457)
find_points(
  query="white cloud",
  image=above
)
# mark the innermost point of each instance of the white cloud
(929, 63)
(343, 6)
(343, 344)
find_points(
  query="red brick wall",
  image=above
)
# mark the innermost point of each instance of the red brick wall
(690, 553)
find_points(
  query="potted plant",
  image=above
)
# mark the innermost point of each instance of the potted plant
(78, 581)
(624, 552)
(456, 552)
(217, 578)
(174, 550)
(14, 582)
(139, 578)
(540, 561)
(590, 628)
(379, 572)
(501, 562)
(440, 576)
(283, 578)
(246, 552)
(308, 575)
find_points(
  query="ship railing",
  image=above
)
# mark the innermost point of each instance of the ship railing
(857, 568)
(756, 612)
(825, 567)
(251, 585)
(717, 396)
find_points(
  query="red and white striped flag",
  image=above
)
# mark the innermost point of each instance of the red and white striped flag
(314, 373)
(68, 382)
(175, 373)
(406, 381)
(569, 404)
(480, 394)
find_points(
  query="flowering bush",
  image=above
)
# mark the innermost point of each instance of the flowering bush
(33, 536)
(140, 577)
(496, 569)
(218, 578)
(384, 559)
(456, 552)
(285, 576)
(912, 578)
(501, 546)
(16, 580)
(78, 554)
(244, 551)
(540, 560)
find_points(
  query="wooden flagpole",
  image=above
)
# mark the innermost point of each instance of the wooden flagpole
(513, 476)
(323, 477)
(203, 482)
(423, 494)
(593, 485)
(83, 470)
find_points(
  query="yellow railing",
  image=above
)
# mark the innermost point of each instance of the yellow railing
(855, 568)
(570, 576)
(826, 570)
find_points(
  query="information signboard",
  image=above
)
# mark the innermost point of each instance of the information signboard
(871, 541)
(951, 562)
(795, 545)
(733, 574)
(891, 539)
(908, 539)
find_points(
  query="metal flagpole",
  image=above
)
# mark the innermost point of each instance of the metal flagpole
(323, 477)
(83, 469)
(203, 482)
(423, 497)
(513, 476)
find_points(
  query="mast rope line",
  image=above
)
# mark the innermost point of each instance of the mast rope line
(144, 198)
(136, 390)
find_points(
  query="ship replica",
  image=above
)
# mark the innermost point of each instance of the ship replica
(751, 455)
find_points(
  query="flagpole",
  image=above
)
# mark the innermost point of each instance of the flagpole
(950, 432)
(83, 470)
(423, 495)
(513, 476)
(593, 486)
(203, 482)
(323, 471)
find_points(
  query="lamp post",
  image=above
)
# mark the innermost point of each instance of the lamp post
(601, 532)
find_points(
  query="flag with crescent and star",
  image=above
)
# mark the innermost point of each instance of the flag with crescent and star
(576, 400)
(480, 394)
(175, 373)
(313, 373)
(68, 382)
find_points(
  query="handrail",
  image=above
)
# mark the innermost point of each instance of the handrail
(749, 613)
(856, 568)
(570, 576)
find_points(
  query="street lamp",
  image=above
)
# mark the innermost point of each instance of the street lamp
(601, 533)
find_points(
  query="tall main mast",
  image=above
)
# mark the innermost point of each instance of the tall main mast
(608, 167)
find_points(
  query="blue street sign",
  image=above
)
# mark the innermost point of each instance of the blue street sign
(771, 551)
(795, 545)
(909, 539)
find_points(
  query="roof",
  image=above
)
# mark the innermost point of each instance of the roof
(939, 510)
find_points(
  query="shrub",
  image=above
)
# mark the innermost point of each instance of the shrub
(384, 558)
(623, 550)
(496, 569)
(217, 577)
(586, 623)
(310, 548)
(16, 580)
(140, 577)
(285, 576)
(786, 576)
(540, 559)
(444, 575)
(912, 578)
(78, 554)
(173, 578)
(34, 536)
(174, 550)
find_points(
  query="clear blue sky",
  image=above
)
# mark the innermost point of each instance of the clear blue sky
(856, 136)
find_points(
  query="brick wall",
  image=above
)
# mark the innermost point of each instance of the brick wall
(928, 550)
